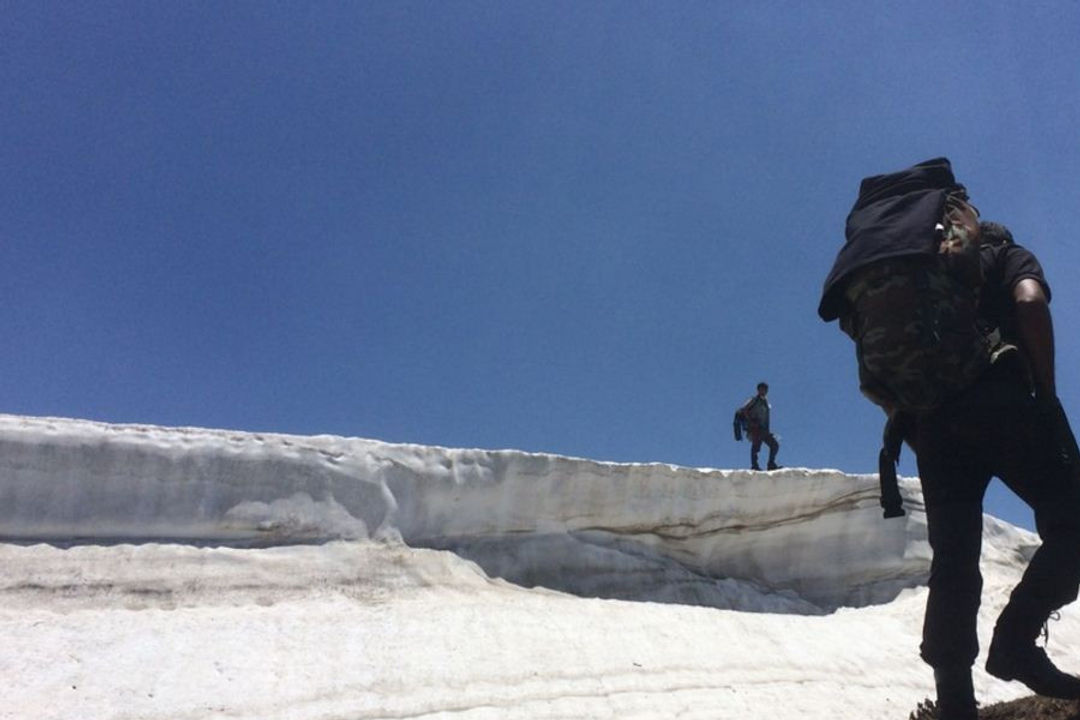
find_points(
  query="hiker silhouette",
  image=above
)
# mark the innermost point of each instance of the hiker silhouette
(754, 416)
(992, 411)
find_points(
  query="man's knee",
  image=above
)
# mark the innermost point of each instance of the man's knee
(1054, 571)
(955, 530)
(1057, 519)
(957, 577)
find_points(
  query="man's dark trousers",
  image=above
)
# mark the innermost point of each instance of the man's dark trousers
(758, 436)
(994, 429)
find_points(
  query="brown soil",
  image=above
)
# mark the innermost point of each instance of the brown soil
(1029, 708)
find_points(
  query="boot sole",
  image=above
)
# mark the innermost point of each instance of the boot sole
(1001, 674)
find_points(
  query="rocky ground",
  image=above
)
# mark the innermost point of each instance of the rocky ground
(1029, 708)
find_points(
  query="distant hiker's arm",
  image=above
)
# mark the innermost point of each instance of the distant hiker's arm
(1036, 330)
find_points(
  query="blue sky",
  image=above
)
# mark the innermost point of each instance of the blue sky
(586, 228)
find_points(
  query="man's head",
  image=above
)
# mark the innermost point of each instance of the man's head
(995, 234)
(762, 389)
(962, 216)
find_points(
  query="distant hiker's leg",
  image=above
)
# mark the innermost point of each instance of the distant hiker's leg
(774, 447)
(949, 628)
(755, 447)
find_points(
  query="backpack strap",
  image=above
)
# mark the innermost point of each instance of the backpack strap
(749, 404)
(892, 440)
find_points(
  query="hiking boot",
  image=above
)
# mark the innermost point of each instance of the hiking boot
(1031, 666)
(955, 694)
(755, 466)
(774, 466)
(1015, 656)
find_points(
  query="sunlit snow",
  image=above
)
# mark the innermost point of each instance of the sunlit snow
(154, 572)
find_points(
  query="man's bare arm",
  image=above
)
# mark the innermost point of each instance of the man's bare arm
(1036, 333)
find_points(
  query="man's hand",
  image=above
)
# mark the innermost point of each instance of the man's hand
(1056, 424)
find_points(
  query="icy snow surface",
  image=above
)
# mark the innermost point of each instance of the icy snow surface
(152, 572)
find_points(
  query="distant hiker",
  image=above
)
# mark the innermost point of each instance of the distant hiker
(960, 355)
(754, 417)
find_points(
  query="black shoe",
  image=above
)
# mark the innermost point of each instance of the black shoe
(755, 466)
(946, 710)
(955, 694)
(774, 466)
(1031, 666)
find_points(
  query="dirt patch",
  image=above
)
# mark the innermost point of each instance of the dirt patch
(1029, 708)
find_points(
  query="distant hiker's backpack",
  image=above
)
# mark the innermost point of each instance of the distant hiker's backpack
(905, 289)
(740, 425)
(748, 416)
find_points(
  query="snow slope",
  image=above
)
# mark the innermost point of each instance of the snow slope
(156, 572)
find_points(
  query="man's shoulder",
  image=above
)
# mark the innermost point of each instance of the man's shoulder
(1006, 265)
(1010, 252)
(749, 404)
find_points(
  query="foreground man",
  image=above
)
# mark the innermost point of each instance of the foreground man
(968, 380)
(1009, 424)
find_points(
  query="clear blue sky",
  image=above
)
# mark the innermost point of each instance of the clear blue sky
(586, 228)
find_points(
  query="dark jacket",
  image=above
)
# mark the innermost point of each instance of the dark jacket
(756, 412)
(895, 215)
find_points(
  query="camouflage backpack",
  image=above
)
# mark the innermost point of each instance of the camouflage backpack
(905, 287)
(914, 318)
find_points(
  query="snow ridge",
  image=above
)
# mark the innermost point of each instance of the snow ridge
(177, 572)
(795, 540)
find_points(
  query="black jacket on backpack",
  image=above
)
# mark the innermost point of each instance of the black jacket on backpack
(894, 216)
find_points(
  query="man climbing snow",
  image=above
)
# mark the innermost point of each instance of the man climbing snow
(954, 340)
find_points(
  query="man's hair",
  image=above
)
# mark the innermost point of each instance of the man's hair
(996, 234)
(763, 385)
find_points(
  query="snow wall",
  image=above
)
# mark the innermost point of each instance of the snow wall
(808, 541)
